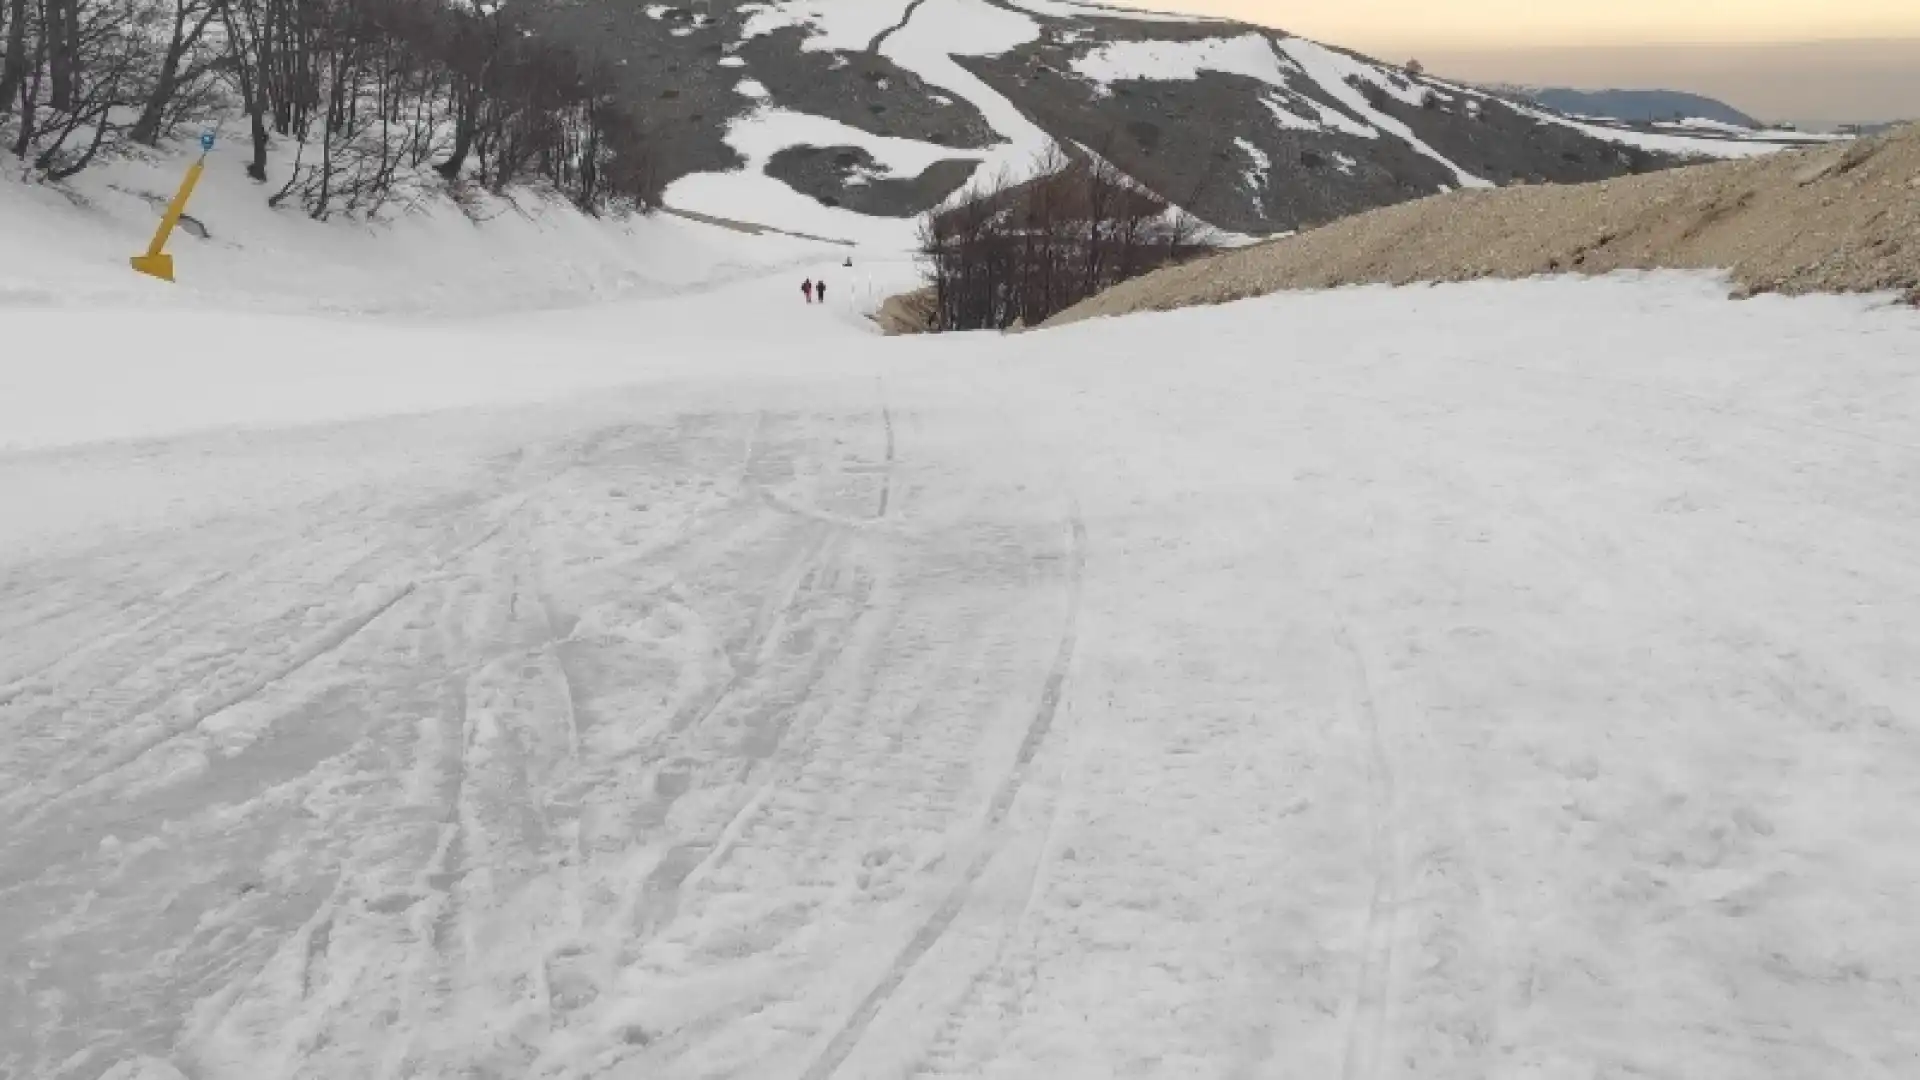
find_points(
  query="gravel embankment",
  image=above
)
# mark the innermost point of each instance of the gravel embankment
(1843, 218)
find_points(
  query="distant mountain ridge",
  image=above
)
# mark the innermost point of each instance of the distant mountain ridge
(848, 119)
(1640, 106)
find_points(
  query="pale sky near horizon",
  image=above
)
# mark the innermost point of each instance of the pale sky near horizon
(1811, 61)
(1479, 24)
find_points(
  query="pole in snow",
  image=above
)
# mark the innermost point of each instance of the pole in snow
(156, 262)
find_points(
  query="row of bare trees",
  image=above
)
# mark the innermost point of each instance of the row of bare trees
(368, 100)
(1009, 253)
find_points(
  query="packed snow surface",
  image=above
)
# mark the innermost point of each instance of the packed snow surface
(1490, 680)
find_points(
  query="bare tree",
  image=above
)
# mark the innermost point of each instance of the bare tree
(1007, 253)
(375, 96)
(13, 61)
(189, 25)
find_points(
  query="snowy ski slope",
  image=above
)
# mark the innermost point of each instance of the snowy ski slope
(1491, 680)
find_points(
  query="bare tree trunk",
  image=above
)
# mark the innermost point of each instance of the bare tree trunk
(28, 99)
(60, 31)
(13, 68)
(147, 128)
(244, 43)
(465, 120)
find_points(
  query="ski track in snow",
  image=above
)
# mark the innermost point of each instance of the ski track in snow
(848, 1037)
(1367, 1045)
(1505, 679)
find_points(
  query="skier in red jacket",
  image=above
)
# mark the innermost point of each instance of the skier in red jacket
(806, 287)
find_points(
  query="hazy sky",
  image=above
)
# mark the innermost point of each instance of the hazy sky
(1810, 83)
(1808, 61)
(1397, 25)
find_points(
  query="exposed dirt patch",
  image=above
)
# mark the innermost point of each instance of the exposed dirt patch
(1842, 218)
(848, 176)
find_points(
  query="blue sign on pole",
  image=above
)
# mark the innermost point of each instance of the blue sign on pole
(206, 141)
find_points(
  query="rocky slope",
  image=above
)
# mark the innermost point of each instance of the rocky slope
(846, 118)
(1839, 219)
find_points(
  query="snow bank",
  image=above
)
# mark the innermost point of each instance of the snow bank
(70, 247)
(112, 373)
(277, 319)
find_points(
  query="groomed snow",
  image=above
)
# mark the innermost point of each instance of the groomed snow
(1508, 678)
(1513, 679)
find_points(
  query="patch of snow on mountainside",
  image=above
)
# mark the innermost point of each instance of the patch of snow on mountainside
(1401, 89)
(1285, 115)
(1251, 55)
(1259, 170)
(831, 25)
(1656, 142)
(749, 194)
(942, 29)
(1290, 120)
(1330, 69)
(1210, 233)
(1066, 9)
(926, 44)
(1702, 124)
(1697, 123)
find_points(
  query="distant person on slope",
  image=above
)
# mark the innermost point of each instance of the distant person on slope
(806, 287)
(822, 290)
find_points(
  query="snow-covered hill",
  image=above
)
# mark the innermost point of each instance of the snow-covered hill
(847, 118)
